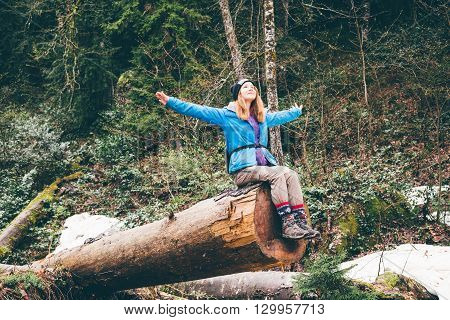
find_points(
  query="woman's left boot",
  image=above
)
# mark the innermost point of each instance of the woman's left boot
(300, 220)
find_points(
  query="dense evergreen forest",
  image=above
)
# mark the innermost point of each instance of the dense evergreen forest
(77, 94)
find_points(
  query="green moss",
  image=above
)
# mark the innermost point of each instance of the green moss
(75, 165)
(391, 280)
(48, 193)
(349, 228)
(393, 210)
(349, 225)
(4, 251)
(73, 176)
(124, 78)
(377, 291)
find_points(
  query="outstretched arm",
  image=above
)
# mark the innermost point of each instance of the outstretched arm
(280, 117)
(207, 114)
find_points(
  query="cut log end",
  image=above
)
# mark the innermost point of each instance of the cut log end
(252, 218)
(268, 231)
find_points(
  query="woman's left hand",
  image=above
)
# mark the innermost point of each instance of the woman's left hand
(162, 97)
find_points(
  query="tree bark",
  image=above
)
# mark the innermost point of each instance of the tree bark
(363, 35)
(274, 285)
(271, 77)
(21, 223)
(220, 236)
(236, 56)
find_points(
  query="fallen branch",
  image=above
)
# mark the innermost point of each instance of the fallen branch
(22, 222)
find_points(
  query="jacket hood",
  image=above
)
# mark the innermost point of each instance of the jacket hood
(231, 106)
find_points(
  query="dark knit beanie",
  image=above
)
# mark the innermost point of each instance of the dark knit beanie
(235, 88)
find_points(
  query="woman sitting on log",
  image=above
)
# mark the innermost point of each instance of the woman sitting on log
(245, 123)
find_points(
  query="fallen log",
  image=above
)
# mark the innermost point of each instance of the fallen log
(274, 285)
(226, 235)
(28, 216)
(277, 285)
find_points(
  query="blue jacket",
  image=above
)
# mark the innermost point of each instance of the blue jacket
(237, 132)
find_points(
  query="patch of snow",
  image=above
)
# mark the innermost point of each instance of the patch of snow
(444, 217)
(418, 195)
(428, 265)
(83, 227)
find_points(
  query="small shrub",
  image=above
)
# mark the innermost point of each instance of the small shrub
(28, 279)
(325, 281)
(31, 142)
(14, 194)
(113, 149)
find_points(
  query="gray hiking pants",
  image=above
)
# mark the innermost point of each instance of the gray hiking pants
(284, 183)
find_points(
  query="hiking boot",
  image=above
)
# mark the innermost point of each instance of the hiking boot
(300, 220)
(312, 233)
(290, 229)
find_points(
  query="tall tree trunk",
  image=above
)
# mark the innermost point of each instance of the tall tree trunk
(218, 236)
(364, 38)
(362, 31)
(304, 158)
(236, 56)
(271, 76)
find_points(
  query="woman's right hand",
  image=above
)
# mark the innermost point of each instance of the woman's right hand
(162, 97)
(298, 106)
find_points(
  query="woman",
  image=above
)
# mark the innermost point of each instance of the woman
(245, 123)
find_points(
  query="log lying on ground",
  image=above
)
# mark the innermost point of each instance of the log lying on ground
(276, 285)
(225, 235)
(28, 216)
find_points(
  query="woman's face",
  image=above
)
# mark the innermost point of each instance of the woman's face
(248, 91)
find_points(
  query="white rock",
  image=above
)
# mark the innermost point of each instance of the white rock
(80, 227)
(428, 265)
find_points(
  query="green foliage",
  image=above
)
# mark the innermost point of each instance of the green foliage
(188, 170)
(35, 286)
(363, 202)
(164, 26)
(30, 142)
(32, 154)
(14, 194)
(354, 183)
(27, 279)
(39, 241)
(324, 280)
(76, 63)
(113, 149)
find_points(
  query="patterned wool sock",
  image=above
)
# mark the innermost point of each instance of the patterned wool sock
(299, 213)
(283, 208)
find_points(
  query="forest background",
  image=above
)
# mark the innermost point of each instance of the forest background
(77, 84)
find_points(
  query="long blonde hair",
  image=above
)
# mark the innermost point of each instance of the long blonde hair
(256, 107)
